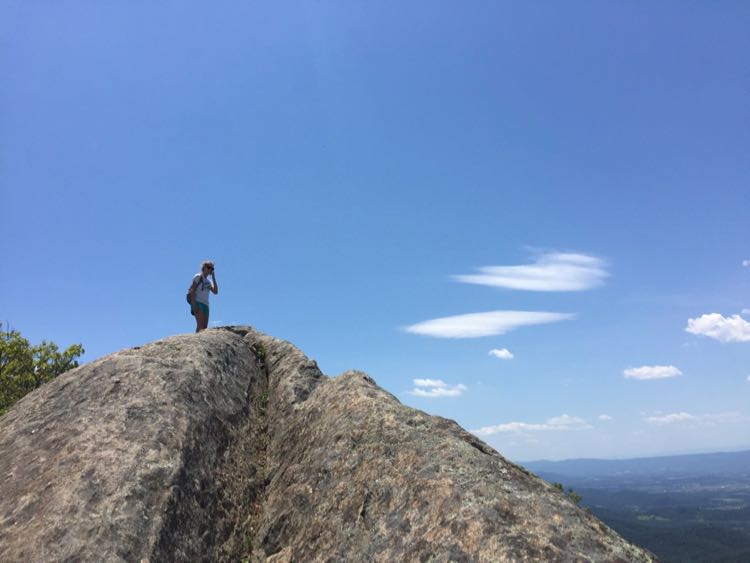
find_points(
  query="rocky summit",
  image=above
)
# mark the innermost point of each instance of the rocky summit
(230, 445)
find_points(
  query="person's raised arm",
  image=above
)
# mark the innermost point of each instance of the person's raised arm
(214, 285)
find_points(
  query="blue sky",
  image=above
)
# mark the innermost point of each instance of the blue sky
(403, 188)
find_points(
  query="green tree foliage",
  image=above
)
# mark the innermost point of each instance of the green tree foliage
(571, 494)
(24, 367)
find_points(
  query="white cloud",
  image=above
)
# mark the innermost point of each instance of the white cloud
(718, 327)
(501, 353)
(748, 378)
(702, 419)
(430, 383)
(492, 323)
(746, 263)
(746, 311)
(670, 418)
(550, 272)
(652, 372)
(556, 423)
(436, 388)
(604, 417)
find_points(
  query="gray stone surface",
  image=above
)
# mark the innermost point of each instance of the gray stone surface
(230, 445)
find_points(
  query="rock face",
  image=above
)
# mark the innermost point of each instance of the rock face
(230, 445)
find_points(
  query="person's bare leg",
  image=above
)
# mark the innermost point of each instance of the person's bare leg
(200, 321)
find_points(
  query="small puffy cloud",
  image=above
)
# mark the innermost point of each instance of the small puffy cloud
(436, 388)
(501, 353)
(652, 372)
(604, 417)
(556, 423)
(700, 420)
(748, 378)
(746, 263)
(550, 272)
(492, 323)
(430, 383)
(718, 327)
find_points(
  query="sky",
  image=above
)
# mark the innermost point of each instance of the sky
(529, 217)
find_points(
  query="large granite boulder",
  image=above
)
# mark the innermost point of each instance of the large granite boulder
(230, 445)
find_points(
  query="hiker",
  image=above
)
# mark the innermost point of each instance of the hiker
(198, 294)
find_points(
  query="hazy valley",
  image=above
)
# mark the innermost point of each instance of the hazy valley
(683, 508)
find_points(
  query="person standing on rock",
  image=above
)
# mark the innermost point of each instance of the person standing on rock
(198, 293)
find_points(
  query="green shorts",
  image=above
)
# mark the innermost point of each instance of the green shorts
(202, 307)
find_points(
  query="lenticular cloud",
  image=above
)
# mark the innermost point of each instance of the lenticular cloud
(550, 272)
(476, 325)
(652, 372)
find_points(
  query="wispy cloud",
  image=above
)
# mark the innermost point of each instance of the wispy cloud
(550, 272)
(557, 423)
(702, 419)
(652, 372)
(721, 328)
(670, 418)
(746, 263)
(748, 378)
(604, 417)
(436, 388)
(492, 323)
(501, 353)
(746, 311)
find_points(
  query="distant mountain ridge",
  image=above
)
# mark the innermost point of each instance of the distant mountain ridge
(692, 508)
(721, 463)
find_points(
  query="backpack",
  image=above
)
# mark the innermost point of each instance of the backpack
(187, 297)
